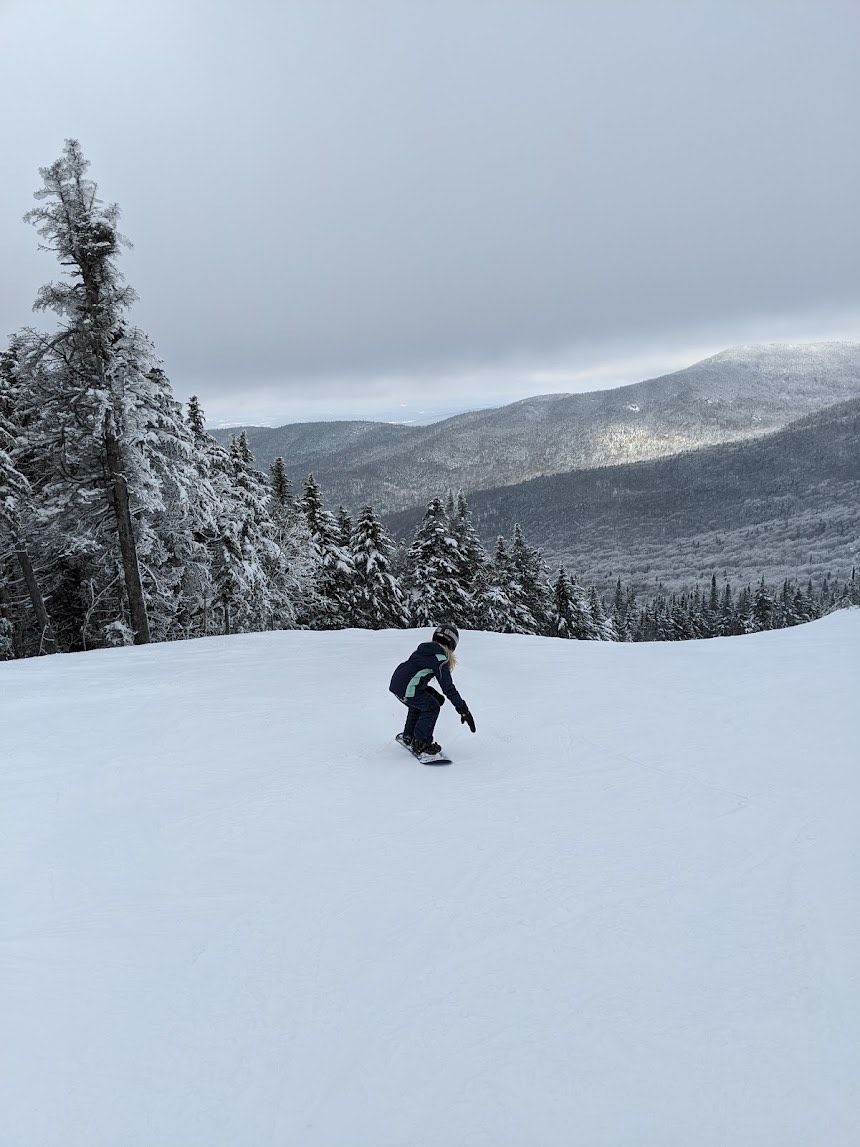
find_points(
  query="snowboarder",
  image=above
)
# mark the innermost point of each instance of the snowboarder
(409, 684)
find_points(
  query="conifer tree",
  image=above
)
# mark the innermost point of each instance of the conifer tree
(473, 574)
(433, 571)
(561, 618)
(728, 620)
(619, 611)
(14, 494)
(171, 528)
(335, 575)
(344, 527)
(95, 399)
(603, 628)
(529, 590)
(763, 608)
(282, 489)
(211, 586)
(250, 588)
(195, 418)
(712, 610)
(497, 608)
(378, 600)
(291, 530)
(743, 611)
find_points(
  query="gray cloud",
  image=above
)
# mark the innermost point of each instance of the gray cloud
(353, 203)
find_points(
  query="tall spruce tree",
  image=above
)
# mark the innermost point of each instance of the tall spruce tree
(763, 608)
(583, 625)
(282, 489)
(561, 618)
(436, 594)
(272, 560)
(472, 565)
(333, 605)
(603, 627)
(344, 528)
(15, 494)
(378, 599)
(528, 588)
(498, 607)
(95, 398)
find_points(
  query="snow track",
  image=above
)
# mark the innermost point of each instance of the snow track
(626, 915)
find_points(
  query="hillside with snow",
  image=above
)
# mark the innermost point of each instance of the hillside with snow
(236, 913)
(736, 395)
(786, 504)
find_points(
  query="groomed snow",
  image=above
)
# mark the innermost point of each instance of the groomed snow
(235, 913)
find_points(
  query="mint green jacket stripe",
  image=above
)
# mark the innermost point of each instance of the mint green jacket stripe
(413, 684)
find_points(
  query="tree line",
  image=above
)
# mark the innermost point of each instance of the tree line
(123, 521)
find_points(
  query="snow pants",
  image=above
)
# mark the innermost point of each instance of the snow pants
(421, 718)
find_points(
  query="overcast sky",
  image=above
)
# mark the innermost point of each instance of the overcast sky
(405, 209)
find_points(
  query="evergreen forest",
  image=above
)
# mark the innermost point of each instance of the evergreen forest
(123, 520)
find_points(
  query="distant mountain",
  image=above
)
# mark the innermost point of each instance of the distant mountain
(735, 395)
(785, 504)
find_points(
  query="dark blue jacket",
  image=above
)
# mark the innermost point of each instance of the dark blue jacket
(428, 660)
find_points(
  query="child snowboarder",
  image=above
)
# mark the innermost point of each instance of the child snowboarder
(409, 684)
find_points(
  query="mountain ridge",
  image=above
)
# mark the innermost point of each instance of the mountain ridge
(784, 504)
(739, 393)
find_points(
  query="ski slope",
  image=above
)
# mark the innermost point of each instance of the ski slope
(234, 912)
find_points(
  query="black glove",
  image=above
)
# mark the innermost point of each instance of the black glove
(466, 718)
(437, 697)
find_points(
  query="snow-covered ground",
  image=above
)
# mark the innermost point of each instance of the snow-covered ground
(235, 913)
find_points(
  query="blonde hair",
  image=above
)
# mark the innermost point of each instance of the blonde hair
(452, 660)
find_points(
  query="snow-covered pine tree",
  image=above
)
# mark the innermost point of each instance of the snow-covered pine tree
(603, 627)
(215, 527)
(7, 629)
(332, 606)
(112, 456)
(344, 528)
(784, 615)
(682, 622)
(378, 601)
(473, 573)
(433, 563)
(91, 366)
(282, 489)
(292, 530)
(853, 588)
(263, 584)
(259, 575)
(178, 508)
(763, 608)
(801, 607)
(631, 616)
(561, 617)
(528, 589)
(743, 611)
(711, 612)
(14, 503)
(619, 612)
(664, 628)
(497, 608)
(583, 625)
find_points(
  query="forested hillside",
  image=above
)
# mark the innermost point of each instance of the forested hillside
(123, 521)
(735, 395)
(786, 504)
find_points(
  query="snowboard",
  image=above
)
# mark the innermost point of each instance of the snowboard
(422, 758)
